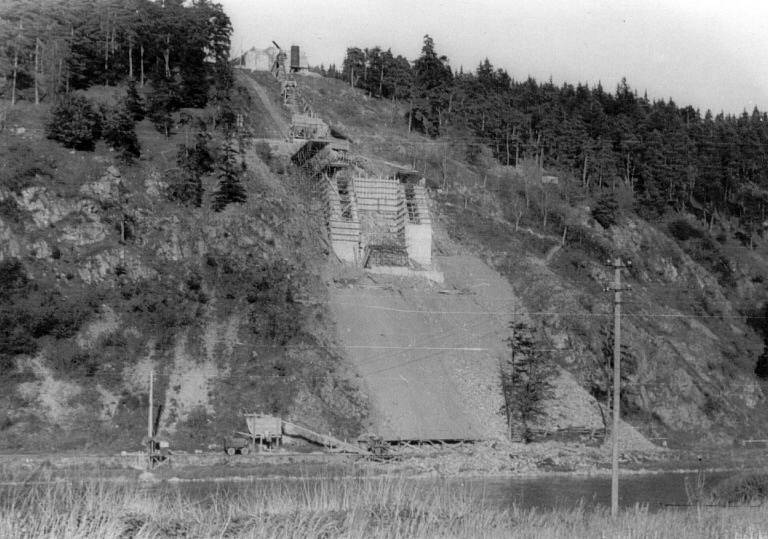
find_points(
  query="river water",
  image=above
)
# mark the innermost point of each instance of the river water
(657, 491)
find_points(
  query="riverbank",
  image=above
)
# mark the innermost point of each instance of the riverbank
(467, 460)
(357, 507)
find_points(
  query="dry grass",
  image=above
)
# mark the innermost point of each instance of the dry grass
(351, 507)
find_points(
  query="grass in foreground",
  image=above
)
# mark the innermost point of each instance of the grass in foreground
(357, 507)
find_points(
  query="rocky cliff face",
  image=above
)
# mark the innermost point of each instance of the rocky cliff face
(689, 351)
(110, 281)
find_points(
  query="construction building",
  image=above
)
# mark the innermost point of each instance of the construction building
(267, 59)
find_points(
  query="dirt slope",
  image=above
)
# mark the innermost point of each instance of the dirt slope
(428, 353)
(272, 121)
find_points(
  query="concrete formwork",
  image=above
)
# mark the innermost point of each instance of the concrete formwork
(382, 209)
(343, 220)
(387, 214)
(418, 227)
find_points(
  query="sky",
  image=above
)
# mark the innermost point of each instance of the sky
(712, 54)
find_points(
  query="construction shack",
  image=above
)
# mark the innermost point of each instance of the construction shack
(265, 429)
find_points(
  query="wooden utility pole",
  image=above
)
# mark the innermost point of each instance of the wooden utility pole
(149, 411)
(150, 426)
(617, 288)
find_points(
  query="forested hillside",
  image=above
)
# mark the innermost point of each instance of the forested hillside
(52, 47)
(670, 157)
(547, 182)
(140, 232)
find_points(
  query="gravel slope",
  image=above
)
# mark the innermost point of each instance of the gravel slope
(428, 356)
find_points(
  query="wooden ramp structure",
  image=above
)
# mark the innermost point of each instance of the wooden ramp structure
(326, 440)
(269, 430)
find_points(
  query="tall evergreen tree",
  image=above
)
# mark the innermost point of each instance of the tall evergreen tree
(230, 172)
(526, 379)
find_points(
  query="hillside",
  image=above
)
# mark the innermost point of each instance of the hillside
(208, 301)
(693, 319)
(242, 310)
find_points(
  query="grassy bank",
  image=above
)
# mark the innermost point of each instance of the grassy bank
(381, 507)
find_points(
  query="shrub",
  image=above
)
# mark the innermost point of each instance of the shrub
(161, 308)
(20, 164)
(162, 103)
(11, 211)
(742, 489)
(184, 187)
(133, 102)
(119, 132)
(606, 210)
(29, 311)
(196, 158)
(682, 230)
(185, 183)
(74, 123)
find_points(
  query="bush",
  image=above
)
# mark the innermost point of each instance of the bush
(161, 308)
(682, 230)
(29, 311)
(742, 489)
(133, 102)
(119, 131)
(74, 123)
(606, 210)
(161, 105)
(11, 211)
(196, 158)
(184, 187)
(185, 183)
(20, 164)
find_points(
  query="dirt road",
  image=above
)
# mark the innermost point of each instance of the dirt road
(428, 353)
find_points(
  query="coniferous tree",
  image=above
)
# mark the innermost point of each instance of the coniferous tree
(74, 123)
(163, 101)
(526, 380)
(118, 130)
(432, 89)
(230, 189)
(133, 101)
(185, 183)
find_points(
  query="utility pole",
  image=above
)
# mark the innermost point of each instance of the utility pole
(150, 426)
(617, 288)
(149, 410)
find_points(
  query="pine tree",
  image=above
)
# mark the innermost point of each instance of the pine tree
(230, 188)
(162, 103)
(185, 183)
(433, 85)
(119, 132)
(133, 101)
(74, 123)
(526, 380)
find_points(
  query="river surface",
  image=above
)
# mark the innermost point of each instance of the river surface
(657, 491)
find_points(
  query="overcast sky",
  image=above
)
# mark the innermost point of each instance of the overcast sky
(707, 53)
